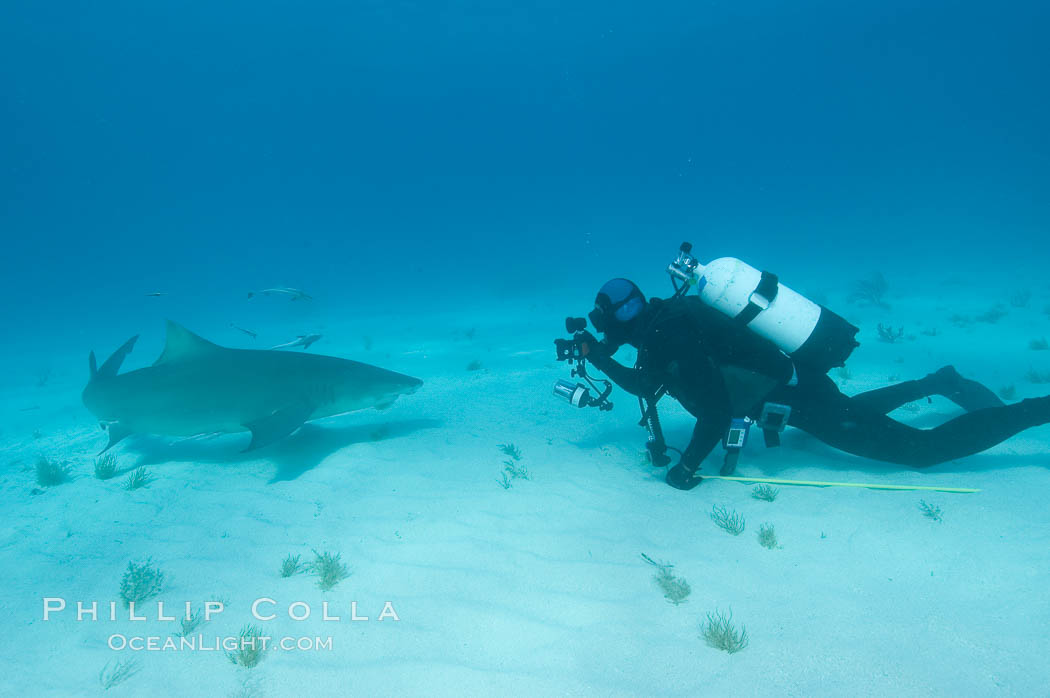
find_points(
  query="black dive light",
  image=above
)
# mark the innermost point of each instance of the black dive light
(571, 349)
(575, 324)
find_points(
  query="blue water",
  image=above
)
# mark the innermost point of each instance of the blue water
(346, 146)
(420, 161)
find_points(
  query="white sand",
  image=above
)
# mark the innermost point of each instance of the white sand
(539, 589)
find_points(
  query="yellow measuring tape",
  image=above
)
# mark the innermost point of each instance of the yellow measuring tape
(865, 485)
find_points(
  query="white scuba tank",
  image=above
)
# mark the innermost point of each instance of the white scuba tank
(802, 329)
(730, 285)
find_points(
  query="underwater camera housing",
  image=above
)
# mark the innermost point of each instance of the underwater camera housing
(575, 393)
(571, 349)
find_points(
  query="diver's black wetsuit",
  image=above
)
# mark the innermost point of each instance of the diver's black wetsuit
(719, 369)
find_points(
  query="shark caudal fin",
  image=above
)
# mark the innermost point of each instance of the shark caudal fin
(113, 363)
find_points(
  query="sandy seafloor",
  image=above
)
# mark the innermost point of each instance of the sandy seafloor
(539, 589)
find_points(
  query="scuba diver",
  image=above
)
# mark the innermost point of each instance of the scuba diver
(716, 362)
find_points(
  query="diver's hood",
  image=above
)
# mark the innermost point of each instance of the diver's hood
(618, 304)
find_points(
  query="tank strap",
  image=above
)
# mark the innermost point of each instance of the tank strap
(760, 298)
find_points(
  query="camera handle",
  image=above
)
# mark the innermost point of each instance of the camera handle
(655, 446)
(602, 401)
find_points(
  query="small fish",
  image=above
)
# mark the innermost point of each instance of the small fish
(304, 341)
(251, 334)
(293, 293)
(29, 409)
(156, 294)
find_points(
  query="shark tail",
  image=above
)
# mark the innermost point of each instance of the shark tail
(113, 363)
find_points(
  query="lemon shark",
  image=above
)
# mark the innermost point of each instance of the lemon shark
(199, 388)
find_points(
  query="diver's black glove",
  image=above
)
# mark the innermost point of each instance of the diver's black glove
(682, 478)
(591, 348)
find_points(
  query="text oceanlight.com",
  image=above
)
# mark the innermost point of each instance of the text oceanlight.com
(230, 643)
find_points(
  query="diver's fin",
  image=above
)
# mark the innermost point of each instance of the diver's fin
(112, 365)
(183, 344)
(117, 433)
(974, 396)
(967, 394)
(278, 425)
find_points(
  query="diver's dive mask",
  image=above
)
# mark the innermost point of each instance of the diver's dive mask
(619, 301)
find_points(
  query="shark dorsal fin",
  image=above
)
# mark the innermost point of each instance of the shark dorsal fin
(112, 364)
(183, 344)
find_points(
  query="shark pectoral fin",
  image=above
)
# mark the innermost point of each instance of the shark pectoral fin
(385, 403)
(117, 432)
(277, 425)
